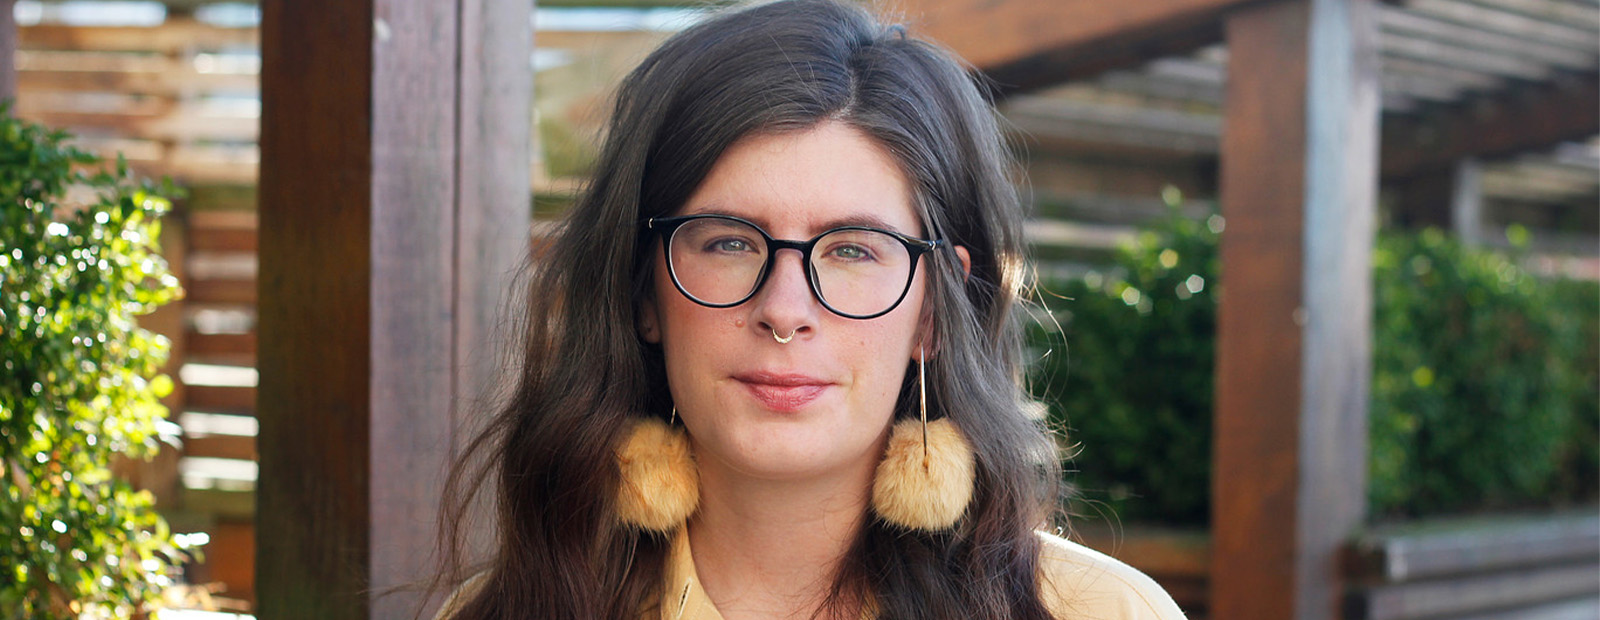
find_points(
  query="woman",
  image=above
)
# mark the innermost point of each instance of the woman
(772, 369)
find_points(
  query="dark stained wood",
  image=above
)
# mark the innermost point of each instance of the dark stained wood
(1298, 185)
(315, 233)
(225, 240)
(214, 346)
(221, 447)
(216, 291)
(222, 399)
(383, 226)
(1530, 118)
(1258, 341)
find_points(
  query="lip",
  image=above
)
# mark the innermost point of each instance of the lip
(786, 392)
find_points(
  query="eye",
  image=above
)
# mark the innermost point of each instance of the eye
(850, 252)
(730, 245)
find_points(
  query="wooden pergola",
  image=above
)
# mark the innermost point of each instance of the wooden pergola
(394, 174)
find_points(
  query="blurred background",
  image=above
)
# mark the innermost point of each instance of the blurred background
(1481, 468)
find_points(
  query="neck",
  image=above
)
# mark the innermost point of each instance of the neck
(766, 549)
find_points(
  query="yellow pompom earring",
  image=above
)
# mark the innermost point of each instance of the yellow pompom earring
(927, 488)
(659, 486)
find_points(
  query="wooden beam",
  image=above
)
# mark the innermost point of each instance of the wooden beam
(1524, 119)
(1298, 191)
(394, 178)
(1029, 44)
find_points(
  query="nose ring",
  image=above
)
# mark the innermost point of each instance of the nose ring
(784, 339)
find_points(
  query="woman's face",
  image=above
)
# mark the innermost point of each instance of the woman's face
(822, 403)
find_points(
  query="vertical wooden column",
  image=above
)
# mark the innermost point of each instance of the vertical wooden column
(1298, 187)
(8, 49)
(394, 200)
(1466, 201)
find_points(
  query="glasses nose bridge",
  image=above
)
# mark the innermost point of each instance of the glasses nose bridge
(774, 246)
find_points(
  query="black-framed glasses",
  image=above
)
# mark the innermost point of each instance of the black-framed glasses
(857, 272)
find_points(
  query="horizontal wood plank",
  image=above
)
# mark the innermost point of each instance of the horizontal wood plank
(221, 345)
(242, 292)
(172, 36)
(1477, 547)
(221, 446)
(1460, 596)
(222, 399)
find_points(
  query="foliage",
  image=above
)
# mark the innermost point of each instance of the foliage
(79, 382)
(1484, 392)
(1482, 381)
(1132, 386)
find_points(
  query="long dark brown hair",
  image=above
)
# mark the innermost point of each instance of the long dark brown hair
(546, 460)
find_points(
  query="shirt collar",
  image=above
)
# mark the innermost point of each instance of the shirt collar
(682, 598)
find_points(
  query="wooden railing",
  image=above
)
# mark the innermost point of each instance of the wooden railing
(180, 99)
(1533, 567)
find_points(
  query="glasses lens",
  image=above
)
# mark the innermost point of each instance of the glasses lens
(861, 272)
(717, 261)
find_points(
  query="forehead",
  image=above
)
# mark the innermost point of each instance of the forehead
(799, 183)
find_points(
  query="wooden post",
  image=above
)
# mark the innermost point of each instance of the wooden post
(1298, 187)
(394, 200)
(1466, 201)
(8, 49)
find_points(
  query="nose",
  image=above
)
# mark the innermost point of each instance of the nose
(785, 305)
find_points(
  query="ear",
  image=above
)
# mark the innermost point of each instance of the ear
(925, 337)
(648, 321)
(966, 259)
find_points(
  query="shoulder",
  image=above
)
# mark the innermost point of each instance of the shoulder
(1079, 582)
(464, 593)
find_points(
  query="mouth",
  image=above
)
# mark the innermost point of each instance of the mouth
(782, 392)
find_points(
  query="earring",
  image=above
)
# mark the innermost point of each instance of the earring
(659, 486)
(927, 488)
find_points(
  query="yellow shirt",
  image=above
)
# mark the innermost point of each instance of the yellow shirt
(1076, 583)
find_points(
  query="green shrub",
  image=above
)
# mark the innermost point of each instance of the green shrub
(79, 383)
(1478, 381)
(1484, 392)
(1132, 386)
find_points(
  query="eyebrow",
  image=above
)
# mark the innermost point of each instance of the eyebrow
(860, 219)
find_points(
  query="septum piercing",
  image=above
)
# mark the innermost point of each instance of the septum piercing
(782, 339)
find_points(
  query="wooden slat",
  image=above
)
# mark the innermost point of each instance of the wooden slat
(1474, 547)
(173, 84)
(239, 292)
(222, 345)
(235, 505)
(221, 446)
(1508, 23)
(225, 240)
(155, 122)
(1171, 553)
(222, 399)
(1529, 119)
(1407, 23)
(172, 36)
(1459, 596)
